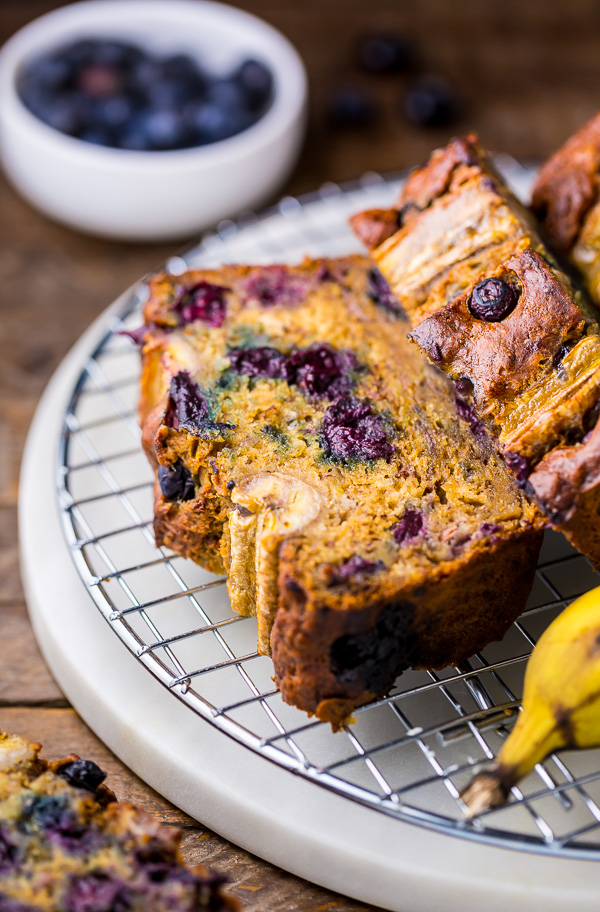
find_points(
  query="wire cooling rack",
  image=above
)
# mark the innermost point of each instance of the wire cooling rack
(407, 755)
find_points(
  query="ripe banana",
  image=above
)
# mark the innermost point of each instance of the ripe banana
(561, 703)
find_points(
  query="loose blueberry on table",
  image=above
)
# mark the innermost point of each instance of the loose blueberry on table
(113, 93)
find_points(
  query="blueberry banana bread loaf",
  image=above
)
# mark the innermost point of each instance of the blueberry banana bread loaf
(67, 845)
(304, 446)
(566, 200)
(490, 306)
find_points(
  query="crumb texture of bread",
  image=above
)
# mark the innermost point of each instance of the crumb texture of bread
(490, 306)
(67, 844)
(304, 446)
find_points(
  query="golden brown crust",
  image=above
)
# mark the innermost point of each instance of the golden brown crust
(504, 359)
(567, 186)
(443, 620)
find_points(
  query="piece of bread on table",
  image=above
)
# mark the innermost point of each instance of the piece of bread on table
(68, 845)
(490, 306)
(305, 447)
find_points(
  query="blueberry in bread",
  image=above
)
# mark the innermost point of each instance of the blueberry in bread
(67, 845)
(566, 200)
(304, 446)
(491, 307)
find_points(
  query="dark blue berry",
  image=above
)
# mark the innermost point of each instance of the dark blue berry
(187, 408)
(493, 300)
(83, 774)
(409, 526)
(176, 482)
(203, 302)
(386, 52)
(256, 83)
(352, 429)
(432, 102)
(351, 107)
(258, 362)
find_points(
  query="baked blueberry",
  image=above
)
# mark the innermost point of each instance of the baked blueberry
(83, 774)
(493, 300)
(409, 526)
(352, 429)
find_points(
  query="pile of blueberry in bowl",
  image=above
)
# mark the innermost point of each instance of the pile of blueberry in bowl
(151, 123)
(116, 93)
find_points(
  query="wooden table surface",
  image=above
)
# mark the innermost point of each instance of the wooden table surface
(529, 74)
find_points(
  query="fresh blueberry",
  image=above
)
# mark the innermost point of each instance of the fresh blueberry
(176, 482)
(256, 82)
(351, 107)
(210, 122)
(164, 128)
(432, 102)
(352, 429)
(83, 774)
(411, 525)
(51, 71)
(493, 300)
(114, 112)
(386, 52)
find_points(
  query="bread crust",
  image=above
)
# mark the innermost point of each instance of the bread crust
(441, 619)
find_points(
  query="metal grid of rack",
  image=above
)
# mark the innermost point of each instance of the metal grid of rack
(407, 755)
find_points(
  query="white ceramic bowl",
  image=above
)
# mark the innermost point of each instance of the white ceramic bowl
(153, 195)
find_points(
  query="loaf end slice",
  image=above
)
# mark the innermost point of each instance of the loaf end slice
(490, 306)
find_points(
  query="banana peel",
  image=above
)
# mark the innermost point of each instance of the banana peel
(561, 703)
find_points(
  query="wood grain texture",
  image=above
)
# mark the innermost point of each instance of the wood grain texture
(529, 74)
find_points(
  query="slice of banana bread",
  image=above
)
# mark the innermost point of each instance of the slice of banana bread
(566, 200)
(67, 845)
(490, 306)
(302, 444)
